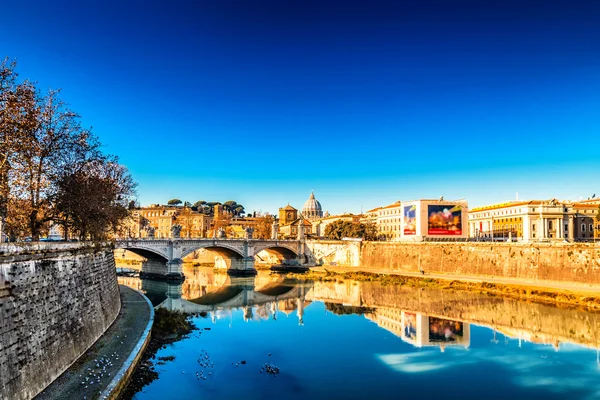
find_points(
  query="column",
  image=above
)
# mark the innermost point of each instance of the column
(560, 228)
(571, 228)
(526, 228)
(540, 228)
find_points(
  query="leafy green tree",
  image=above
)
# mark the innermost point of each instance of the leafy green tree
(370, 231)
(93, 200)
(174, 202)
(238, 210)
(340, 229)
(199, 204)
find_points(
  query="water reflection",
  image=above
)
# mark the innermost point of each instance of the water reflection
(420, 317)
(329, 343)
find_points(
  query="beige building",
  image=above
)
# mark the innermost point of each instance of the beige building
(290, 222)
(162, 218)
(389, 221)
(535, 220)
(370, 217)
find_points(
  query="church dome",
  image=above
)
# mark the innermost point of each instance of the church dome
(312, 208)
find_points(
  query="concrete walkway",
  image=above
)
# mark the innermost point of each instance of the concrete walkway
(570, 286)
(89, 376)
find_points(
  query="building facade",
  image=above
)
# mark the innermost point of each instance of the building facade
(160, 219)
(290, 223)
(536, 220)
(388, 222)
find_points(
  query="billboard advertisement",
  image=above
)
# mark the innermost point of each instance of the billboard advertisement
(444, 330)
(444, 219)
(410, 219)
(409, 322)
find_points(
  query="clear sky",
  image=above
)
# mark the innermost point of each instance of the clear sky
(366, 102)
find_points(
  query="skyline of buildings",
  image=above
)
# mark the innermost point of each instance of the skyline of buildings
(415, 220)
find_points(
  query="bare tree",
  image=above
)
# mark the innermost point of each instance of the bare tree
(51, 169)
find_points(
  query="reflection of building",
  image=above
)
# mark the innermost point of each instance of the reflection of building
(535, 220)
(529, 336)
(421, 330)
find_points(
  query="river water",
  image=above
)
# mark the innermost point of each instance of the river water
(267, 337)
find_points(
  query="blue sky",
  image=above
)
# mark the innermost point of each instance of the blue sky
(366, 102)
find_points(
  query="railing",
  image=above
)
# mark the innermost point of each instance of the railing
(204, 239)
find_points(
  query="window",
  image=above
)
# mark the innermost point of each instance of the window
(582, 227)
(591, 227)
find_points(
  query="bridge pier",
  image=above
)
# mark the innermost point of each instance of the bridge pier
(242, 267)
(175, 270)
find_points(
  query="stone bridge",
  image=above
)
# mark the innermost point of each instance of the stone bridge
(164, 256)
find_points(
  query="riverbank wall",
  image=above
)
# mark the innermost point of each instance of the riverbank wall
(560, 262)
(56, 300)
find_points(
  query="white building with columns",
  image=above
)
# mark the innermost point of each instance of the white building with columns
(535, 220)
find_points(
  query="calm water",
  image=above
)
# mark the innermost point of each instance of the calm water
(350, 340)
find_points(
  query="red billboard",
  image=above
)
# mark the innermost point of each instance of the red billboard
(445, 330)
(444, 219)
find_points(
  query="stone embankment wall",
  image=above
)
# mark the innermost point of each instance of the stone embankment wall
(553, 262)
(333, 252)
(56, 300)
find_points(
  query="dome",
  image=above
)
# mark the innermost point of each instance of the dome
(312, 208)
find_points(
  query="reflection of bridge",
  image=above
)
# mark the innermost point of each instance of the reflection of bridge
(238, 293)
(164, 256)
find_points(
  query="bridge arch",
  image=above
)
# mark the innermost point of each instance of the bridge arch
(149, 253)
(282, 248)
(275, 254)
(223, 249)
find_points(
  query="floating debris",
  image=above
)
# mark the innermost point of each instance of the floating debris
(270, 369)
